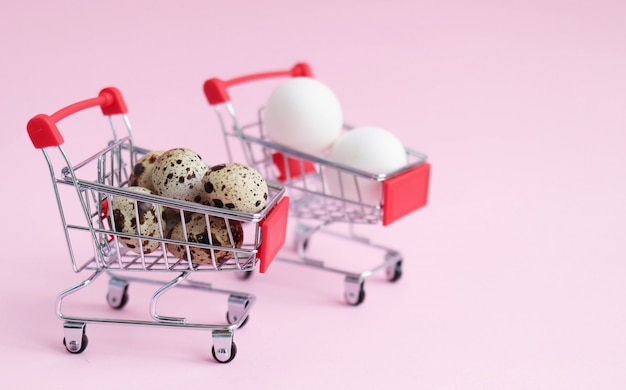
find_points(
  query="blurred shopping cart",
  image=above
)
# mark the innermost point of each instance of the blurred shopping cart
(85, 192)
(306, 177)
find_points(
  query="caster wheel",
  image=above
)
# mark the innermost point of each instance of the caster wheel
(237, 306)
(245, 275)
(233, 320)
(116, 303)
(301, 244)
(357, 298)
(360, 299)
(221, 359)
(83, 345)
(394, 272)
(117, 296)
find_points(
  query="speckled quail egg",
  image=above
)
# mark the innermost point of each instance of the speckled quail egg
(197, 233)
(123, 214)
(178, 174)
(141, 175)
(234, 186)
(172, 218)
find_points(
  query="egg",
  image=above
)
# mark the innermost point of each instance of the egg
(197, 232)
(370, 149)
(234, 186)
(123, 213)
(304, 114)
(141, 175)
(178, 174)
(172, 218)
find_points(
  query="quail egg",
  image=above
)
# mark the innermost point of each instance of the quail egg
(234, 186)
(124, 213)
(178, 174)
(197, 233)
(141, 174)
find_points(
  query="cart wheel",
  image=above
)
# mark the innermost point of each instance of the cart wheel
(244, 275)
(359, 300)
(301, 240)
(355, 292)
(72, 349)
(394, 271)
(118, 303)
(237, 305)
(232, 320)
(233, 352)
(117, 296)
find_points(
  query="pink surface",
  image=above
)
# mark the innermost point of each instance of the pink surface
(514, 272)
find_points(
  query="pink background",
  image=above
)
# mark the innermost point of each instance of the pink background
(514, 272)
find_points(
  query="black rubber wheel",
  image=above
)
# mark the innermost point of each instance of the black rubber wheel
(83, 345)
(397, 272)
(121, 303)
(360, 299)
(233, 352)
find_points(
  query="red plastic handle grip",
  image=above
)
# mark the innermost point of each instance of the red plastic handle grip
(216, 89)
(43, 130)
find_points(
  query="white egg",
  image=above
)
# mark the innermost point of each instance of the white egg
(304, 114)
(369, 149)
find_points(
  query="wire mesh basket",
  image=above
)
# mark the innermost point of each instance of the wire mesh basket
(355, 197)
(129, 232)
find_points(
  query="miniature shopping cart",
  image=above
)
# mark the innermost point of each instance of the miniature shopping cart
(84, 193)
(306, 178)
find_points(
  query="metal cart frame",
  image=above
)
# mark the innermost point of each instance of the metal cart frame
(96, 181)
(305, 176)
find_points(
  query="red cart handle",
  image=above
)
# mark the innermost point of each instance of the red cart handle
(216, 89)
(43, 130)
